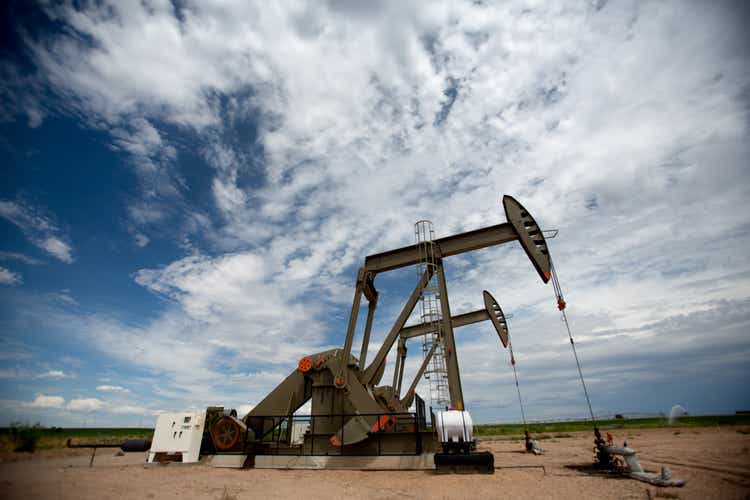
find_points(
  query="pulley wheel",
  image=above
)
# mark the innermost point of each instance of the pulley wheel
(226, 431)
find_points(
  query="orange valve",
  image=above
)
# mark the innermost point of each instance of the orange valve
(339, 381)
(305, 364)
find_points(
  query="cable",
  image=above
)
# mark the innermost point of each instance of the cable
(561, 306)
(518, 388)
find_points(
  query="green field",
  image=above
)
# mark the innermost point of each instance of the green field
(49, 438)
(11, 438)
(634, 423)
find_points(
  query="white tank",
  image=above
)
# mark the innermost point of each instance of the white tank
(454, 426)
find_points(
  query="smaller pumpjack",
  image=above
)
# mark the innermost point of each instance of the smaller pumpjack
(351, 412)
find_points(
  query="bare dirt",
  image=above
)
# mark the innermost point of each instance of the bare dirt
(715, 462)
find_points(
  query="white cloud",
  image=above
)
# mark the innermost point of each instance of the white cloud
(130, 410)
(85, 404)
(20, 257)
(55, 374)
(39, 228)
(24, 373)
(42, 401)
(57, 248)
(8, 277)
(111, 388)
(141, 240)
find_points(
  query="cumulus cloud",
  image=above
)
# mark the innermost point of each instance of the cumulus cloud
(55, 374)
(85, 404)
(42, 401)
(625, 125)
(111, 388)
(39, 228)
(8, 277)
(130, 410)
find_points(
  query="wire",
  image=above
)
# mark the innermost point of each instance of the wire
(561, 306)
(518, 388)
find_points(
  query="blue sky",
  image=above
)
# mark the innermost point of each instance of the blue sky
(189, 188)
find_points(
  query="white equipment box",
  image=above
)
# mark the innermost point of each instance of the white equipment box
(178, 434)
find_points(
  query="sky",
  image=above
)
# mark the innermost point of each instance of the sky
(189, 188)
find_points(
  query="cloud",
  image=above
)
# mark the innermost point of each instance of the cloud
(42, 401)
(130, 410)
(141, 240)
(57, 248)
(111, 388)
(40, 229)
(85, 404)
(21, 258)
(9, 278)
(55, 374)
(24, 373)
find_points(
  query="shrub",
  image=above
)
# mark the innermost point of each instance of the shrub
(25, 436)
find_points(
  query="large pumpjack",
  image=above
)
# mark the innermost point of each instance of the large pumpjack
(352, 414)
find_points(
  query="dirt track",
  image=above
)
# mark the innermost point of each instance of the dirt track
(716, 463)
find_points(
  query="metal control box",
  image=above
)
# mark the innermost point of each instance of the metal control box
(178, 435)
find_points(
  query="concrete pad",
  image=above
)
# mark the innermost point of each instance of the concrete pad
(425, 461)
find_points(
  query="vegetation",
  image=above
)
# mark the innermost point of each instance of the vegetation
(28, 438)
(634, 423)
(25, 437)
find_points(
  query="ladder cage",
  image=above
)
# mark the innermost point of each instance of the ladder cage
(431, 314)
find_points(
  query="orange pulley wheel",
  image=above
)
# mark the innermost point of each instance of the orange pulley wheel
(225, 432)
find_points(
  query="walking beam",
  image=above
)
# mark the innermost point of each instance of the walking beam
(521, 226)
(491, 312)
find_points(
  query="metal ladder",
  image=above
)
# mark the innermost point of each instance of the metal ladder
(431, 314)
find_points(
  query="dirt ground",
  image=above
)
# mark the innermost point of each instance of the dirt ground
(715, 462)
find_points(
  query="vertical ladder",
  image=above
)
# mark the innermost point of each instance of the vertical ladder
(431, 314)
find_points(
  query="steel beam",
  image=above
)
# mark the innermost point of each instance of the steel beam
(449, 344)
(368, 327)
(447, 246)
(409, 396)
(376, 364)
(352, 325)
(457, 321)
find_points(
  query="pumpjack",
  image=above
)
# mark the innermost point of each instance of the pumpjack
(352, 414)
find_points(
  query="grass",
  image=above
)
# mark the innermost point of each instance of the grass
(635, 423)
(11, 438)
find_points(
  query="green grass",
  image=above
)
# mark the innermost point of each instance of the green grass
(56, 437)
(635, 423)
(50, 438)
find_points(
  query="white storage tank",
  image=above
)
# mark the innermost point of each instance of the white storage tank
(454, 426)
